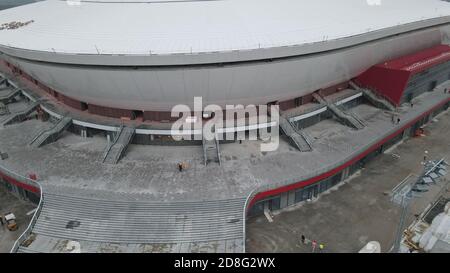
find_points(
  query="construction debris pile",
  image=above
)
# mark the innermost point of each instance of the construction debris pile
(423, 237)
(14, 25)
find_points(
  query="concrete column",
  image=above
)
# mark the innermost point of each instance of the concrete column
(345, 173)
(284, 200)
(291, 198)
(406, 133)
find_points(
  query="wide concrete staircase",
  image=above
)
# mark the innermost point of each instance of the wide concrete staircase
(297, 137)
(116, 151)
(374, 98)
(52, 134)
(348, 119)
(211, 149)
(21, 115)
(10, 93)
(78, 218)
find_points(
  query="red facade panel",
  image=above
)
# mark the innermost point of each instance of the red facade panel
(390, 78)
(73, 102)
(288, 104)
(158, 116)
(389, 83)
(110, 112)
(420, 61)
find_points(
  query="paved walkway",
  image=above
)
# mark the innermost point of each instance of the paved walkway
(359, 211)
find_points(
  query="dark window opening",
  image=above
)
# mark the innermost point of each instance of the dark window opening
(138, 115)
(432, 86)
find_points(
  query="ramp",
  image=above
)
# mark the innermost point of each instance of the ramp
(20, 116)
(117, 149)
(375, 99)
(347, 118)
(5, 98)
(211, 150)
(52, 134)
(296, 136)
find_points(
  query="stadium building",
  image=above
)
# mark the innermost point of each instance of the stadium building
(117, 68)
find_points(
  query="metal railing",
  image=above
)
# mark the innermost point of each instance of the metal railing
(110, 144)
(300, 111)
(43, 131)
(216, 139)
(37, 212)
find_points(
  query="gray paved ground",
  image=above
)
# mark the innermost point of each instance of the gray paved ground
(359, 211)
(10, 203)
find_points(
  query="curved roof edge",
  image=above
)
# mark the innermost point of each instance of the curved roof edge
(225, 56)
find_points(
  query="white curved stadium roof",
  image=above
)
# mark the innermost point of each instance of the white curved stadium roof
(171, 26)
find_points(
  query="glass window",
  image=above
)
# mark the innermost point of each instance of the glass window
(257, 209)
(299, 196)
(325, 185)
(275, 203)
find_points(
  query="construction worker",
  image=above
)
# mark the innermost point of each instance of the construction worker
(321, 247)
(314, 244)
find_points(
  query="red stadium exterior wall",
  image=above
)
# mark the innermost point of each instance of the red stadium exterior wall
(390, 79)
(19, 184)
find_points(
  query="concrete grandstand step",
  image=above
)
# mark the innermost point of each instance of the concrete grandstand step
(26, 250)
(346, 118)
(117, 149)
(124, 222)
(52, 134)
(46, 244)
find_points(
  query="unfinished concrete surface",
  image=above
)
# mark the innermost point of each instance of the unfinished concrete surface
(20, 208)
(360, 210)
(152, 171)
